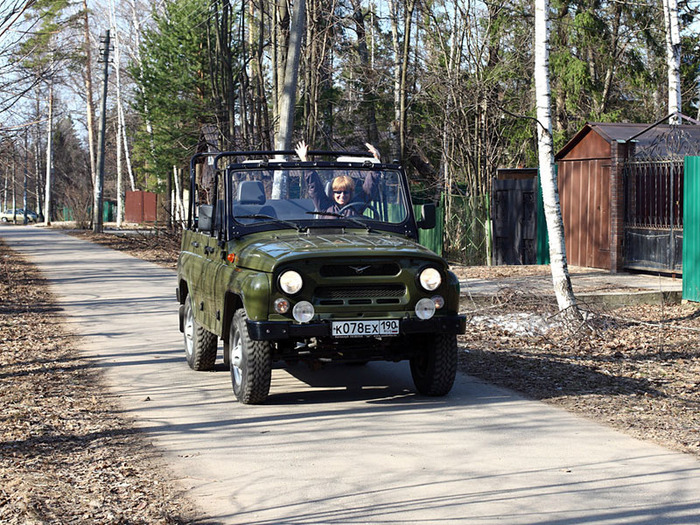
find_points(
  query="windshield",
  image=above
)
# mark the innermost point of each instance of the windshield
(293, 196)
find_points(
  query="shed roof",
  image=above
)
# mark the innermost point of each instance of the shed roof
(652, 139)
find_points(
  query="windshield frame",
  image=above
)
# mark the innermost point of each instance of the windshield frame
(316, 222)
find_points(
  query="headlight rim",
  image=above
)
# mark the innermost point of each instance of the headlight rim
(421, 281)
(284, 286)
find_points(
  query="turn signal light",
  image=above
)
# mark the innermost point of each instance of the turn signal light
(231, 257)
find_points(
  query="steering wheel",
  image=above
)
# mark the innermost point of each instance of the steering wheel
(365, 205)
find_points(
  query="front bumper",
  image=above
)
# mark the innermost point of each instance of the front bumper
(276, 330)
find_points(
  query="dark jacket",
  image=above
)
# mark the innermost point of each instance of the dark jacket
(323, 202)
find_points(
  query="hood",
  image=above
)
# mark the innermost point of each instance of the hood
(263, 251)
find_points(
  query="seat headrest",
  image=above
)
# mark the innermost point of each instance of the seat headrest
(251, 192)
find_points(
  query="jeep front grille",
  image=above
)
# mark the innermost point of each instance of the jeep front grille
(359, 295)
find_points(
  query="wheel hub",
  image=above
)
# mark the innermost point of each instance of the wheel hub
(236, 357)
(189, 334)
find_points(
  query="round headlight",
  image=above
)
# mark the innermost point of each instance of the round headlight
(425, 308)
(290, 282)
(430, 279)
(303, 311)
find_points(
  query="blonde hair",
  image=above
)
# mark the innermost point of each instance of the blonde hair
(343, 183)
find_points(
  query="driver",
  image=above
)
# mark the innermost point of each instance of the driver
(342, 188)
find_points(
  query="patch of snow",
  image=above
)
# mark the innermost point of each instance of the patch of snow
(525, 324)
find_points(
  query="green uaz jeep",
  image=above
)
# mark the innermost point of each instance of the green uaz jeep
(290, 261)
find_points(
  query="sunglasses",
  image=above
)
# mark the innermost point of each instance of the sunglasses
(338, 192)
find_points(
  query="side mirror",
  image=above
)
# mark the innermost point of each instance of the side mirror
(205, 221)
(427, 218)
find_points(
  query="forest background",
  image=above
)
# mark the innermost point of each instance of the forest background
(446, 87)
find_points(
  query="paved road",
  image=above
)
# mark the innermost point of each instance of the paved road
(348, 445)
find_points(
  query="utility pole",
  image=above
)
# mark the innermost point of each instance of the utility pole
(99, 180)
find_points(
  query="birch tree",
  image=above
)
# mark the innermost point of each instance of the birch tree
(673, 59)
(550, 193)
(121, 138)
(89, 101)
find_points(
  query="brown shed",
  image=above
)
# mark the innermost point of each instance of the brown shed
(591, 171)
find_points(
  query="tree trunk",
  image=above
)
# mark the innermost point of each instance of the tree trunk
(406, 50)
(673, 60)
(288, 99)
(4, 188)
(280, 50)
(49, 158)
(127, 155)
(179, 205)
(14, 187)
(121, 131)
(136, 21)
(369, 112)
(610, 70)
(244, 83)
(88, 92)
(120, 179)
(37, 161)
(550, 193)
(396, 46)
(317, 67)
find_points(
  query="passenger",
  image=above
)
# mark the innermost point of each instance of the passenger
(342, 187)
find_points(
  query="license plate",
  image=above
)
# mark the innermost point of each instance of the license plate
(365, 328)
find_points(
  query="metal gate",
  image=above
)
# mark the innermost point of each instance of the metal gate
(513, 212)
(654, 215)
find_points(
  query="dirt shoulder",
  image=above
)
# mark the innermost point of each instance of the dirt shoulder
(67, 454)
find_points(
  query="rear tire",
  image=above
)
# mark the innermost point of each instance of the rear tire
(250, 363)
(200, 344)
(434, 366)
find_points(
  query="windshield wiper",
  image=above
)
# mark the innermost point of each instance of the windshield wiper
(263, 216)
(356, 220)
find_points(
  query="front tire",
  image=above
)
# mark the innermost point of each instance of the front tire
(250, 363)
(200, 344)
(434, 366)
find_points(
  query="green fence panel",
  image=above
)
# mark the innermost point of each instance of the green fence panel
(431, 239)
(691, 229)
(109, 211)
